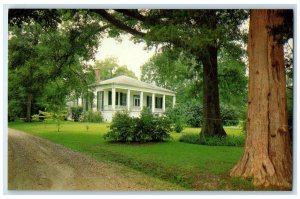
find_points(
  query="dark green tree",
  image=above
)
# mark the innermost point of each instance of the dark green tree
(47, 63)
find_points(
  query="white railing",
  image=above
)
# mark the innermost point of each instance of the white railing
(132, 108)
(117, 108)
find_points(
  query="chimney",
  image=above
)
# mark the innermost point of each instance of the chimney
(97, 75)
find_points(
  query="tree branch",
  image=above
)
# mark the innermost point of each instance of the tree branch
(118, 23)
(177, 42)
(138, 16)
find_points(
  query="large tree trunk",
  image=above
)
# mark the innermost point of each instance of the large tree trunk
(212, 122)
(267, 153)
(28, 108)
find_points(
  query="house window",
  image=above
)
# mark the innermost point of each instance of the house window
(149, 101)
(123, 99)
(109, 97)
(158, 102)
(136, 100)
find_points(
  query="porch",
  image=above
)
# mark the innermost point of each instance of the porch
(118, 99)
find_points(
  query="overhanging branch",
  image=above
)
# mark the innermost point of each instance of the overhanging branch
(117, 23)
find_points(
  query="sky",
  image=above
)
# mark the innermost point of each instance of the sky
(129, 54)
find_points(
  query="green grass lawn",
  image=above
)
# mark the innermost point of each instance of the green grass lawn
(195, 167)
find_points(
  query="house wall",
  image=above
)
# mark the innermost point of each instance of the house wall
(107, 116)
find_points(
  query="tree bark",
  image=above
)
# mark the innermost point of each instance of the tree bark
(267, 154)
(28, 108)
(212, 122)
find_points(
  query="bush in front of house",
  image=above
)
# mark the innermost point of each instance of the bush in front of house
(91, 116)
(229, 140)
(76, 112)
(147, 128)
(177, 117)
(122, 128)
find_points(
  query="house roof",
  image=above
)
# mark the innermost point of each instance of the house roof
(124, 80)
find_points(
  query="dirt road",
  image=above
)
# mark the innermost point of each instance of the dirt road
(37, 164)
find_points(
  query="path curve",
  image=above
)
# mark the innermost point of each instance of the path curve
(38, 164)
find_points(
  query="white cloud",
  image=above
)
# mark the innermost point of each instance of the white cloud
(128, 53)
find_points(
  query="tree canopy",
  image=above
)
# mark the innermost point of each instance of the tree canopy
(46, 64)
(109, 68)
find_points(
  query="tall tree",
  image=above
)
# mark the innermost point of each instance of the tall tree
(43, 57)
(200, 32)
(109, 68)
(267, 153)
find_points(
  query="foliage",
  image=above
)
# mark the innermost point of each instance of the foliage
(178, 126)
(45, 17)
(177, 118)
(192, 114)
(230, 115)
(35, 118)
(110, 68)
(14, 109)
(91, 116)
(39, 74)
(58, 117)
(122, 128)
(76, 112)
(232, 77)
(147, 128)
(175, 70)
(229, 140)
(46, 115)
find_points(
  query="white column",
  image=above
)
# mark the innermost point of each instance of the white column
(128, 100)
(153, 102)
(142, 100)
(174, 101)
(164, 103)
(113, 98)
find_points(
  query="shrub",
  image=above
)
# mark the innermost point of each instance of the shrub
(161, 129)
(178, 126)
(229, 140)
(147, 128)
(91, 116)
(35, 118)
(177, 117)
(230, 115)
(194, 113)
(190, 138)
(122, 128)
(76, 111)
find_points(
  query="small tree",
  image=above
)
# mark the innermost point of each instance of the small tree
(76, 112)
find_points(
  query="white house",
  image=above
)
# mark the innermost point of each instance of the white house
(126, 93)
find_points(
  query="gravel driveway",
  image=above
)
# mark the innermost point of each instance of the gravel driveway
(38, 164)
